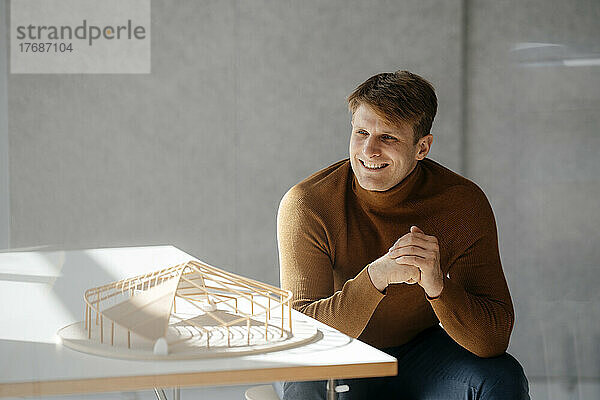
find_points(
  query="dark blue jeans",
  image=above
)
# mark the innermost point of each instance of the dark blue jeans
(430, 367)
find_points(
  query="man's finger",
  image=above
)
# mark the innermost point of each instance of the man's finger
(416, 229)
(422, 264)
(414, 240)
(411, 260)
(406, 273)
(403, 237)
(409, 251)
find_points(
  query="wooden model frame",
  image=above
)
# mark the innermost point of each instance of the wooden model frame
(146, 305)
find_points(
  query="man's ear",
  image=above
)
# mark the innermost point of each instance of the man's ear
(423, 146)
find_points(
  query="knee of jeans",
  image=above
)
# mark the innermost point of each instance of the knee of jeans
(508, 381)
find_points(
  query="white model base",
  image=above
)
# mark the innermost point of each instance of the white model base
(185, 342)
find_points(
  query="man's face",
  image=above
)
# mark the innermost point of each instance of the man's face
(381, 154)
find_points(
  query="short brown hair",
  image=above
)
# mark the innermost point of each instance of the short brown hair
(398, 97)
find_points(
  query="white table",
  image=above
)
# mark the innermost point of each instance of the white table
(41, 292)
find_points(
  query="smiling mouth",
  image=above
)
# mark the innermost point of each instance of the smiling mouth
(373, 166)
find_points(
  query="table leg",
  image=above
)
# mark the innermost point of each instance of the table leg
(160, 394)
(331, 390)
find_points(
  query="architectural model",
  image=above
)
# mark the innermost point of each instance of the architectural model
(191, 310)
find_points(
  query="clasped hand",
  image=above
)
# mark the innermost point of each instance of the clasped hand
(414, 258)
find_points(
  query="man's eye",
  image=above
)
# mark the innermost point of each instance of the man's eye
(362, 132)
(388, 137)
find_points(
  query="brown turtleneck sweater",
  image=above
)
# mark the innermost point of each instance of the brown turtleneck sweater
(329, 229)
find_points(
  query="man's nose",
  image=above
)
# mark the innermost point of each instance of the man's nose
(371, 147)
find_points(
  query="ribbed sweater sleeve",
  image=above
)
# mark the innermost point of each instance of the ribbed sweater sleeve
(475, 307)
(306, 269)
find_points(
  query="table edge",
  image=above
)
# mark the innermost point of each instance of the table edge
(211, 378)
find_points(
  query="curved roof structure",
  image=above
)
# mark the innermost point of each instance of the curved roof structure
(147, 304)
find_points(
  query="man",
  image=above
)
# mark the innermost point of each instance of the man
(388, 245)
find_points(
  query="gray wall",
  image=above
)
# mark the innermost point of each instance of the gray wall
(244, 100)
(4, 175)
(533, 146)
(247, 98)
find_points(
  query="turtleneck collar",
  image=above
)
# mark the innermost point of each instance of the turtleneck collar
(391, 198)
